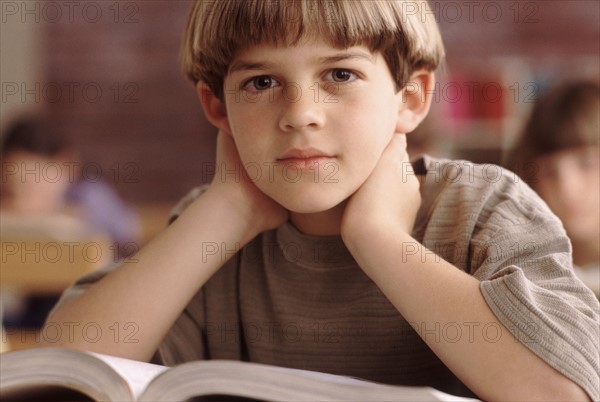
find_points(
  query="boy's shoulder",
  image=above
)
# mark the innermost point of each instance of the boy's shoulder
(461, 178)
(456, 190)
(446, 172)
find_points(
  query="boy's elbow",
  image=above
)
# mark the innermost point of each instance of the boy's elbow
(574, 392)
(554, 387)
(561, 390)
(565, 389)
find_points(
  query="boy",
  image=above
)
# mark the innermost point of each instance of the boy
(316, 233)
(561, 142)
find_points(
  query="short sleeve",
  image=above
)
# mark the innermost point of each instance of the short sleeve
(522, 256)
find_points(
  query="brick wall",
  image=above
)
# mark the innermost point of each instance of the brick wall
(132, 112)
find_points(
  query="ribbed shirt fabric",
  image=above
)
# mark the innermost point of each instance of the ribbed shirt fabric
(300, 301)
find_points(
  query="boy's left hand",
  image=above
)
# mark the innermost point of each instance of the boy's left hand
(389, 196)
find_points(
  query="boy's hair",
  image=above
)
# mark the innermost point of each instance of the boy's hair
(33, 135)
(566, 117)
(405, 32)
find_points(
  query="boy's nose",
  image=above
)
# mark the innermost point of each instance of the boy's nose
(301, 109)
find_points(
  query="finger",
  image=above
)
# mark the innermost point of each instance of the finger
(400, 158)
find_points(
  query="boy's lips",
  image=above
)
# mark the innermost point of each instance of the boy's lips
(304, 153)
(305, 158)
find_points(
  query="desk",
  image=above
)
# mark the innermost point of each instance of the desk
(44, 266)
(47, 266)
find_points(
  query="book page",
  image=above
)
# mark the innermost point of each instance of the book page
(270, 383)
(59, 371)
(137, 374)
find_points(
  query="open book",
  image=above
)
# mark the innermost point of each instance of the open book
(65, 374)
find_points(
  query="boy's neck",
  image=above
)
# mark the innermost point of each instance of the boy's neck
(324, 223)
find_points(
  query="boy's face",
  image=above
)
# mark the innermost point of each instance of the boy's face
(35, 182)
(569, 181)
(311, 121)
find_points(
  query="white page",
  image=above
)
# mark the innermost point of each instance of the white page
(137, 374)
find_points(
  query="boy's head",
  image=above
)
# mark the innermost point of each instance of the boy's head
(566, 117)
(33, 158)
(31, 135)
(312, 92)
(404, 32)
(558, 155)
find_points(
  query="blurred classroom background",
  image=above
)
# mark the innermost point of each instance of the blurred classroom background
(107, 75)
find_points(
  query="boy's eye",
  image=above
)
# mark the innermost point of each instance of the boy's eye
(341, 75)
(260, 83)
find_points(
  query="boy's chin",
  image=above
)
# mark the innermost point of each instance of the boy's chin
(309, 205)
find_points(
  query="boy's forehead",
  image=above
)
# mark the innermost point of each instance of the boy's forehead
(312, 49)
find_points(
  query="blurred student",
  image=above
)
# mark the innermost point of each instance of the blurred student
(558, 155)
(43, 191)
(43, 196)
(35, 186)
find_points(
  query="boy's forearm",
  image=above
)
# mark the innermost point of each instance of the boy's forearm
(432, 293)
(149, 293)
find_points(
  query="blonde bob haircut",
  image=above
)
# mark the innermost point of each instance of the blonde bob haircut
(404, 32)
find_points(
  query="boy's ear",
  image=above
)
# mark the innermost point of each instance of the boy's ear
(415, 100)
(213, 107)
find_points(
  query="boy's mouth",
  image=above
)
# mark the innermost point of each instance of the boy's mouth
(305, 158)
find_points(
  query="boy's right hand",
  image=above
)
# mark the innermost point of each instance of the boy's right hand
(247, 202)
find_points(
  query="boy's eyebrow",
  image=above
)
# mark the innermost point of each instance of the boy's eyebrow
(245, 65)
(345, 56)
(238, 65)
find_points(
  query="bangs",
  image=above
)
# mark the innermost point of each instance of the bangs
(394, 28)
(285, 23)
(566, 117)
(574, 132)
(568, 136)
(569, 117)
